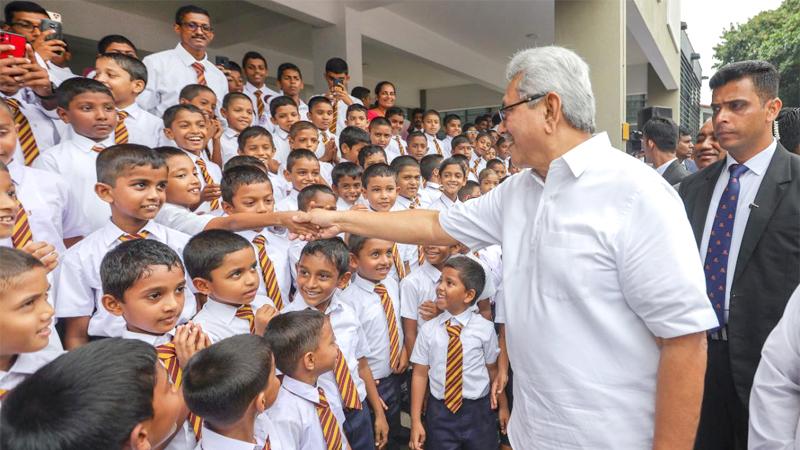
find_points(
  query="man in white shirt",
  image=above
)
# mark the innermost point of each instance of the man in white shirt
(337, 76)
(170, 70)
(660, 142)
(606, 353)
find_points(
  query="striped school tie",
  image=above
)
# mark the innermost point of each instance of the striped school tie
(391, 324)
(267, 444)
(268, 272)
(400, 145)
(97, 148)
(201, 164)
(347, 388)
(27, 141)
(21, 234)
(454, 374)
(121, 131)
(398, 262)
(169, 358)
(328, 422)
(438, 147)
(324, 137)
(332, 126)
(246, 312)
(259, 103)
(200, 69)
(132, 237)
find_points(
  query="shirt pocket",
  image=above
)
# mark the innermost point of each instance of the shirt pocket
(564, 263)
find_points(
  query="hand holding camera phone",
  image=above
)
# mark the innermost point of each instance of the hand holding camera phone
(50, 42)
(16, 40)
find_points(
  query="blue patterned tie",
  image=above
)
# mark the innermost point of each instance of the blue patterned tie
(719, 243)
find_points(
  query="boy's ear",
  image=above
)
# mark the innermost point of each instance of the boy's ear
(169, 134)
(202, 285)
(272, 119)
(227, 208)
(62, 114)
(353, 262)
(470, 296)
(183, 101)
(309, 361)
(138, 438)
(111, 304)
(260, 402)
(344, 280)
(308, 115)
(104, 192)
(138, 86)
(223, 112)
(287, 175)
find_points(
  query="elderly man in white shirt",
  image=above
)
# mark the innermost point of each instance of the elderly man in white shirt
(170, 70)
(605, 302)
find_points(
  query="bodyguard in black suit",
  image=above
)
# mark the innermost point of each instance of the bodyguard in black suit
(660, 144)
(750, 245)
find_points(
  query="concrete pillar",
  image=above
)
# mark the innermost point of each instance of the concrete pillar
(658, 95)
(595, 29)
(343, 40)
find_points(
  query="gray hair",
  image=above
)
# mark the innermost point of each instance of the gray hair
(559, 70)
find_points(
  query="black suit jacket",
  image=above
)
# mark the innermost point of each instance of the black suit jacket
(768, 264)
(675, 172)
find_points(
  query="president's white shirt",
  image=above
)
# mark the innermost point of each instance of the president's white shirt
(182, 219)
(586, 254)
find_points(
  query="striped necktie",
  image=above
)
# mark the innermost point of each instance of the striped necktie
(398, 262)
(246, 312)
(27, 141)
(324, 136)
(97, 148)
(267, 444)
(132, 237)
(438, 147)
(169, 358)
(201, 164)
(328, 422)
(454, 373)
(3, 393)
(21, 234)
(332, 126)
(200, 69)
(400, 145)
(344, 379)
(268, 272)
(391, 324)
(121, 131)
(259, 103)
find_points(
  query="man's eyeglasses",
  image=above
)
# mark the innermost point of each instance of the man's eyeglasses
(24, 25)
(502, 112)
(193, 26)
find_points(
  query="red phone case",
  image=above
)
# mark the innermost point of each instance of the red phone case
(16, 40)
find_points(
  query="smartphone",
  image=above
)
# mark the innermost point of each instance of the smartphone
(222, 61)
(48, 24)
(14, 39)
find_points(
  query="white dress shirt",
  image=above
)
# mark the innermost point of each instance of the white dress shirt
(302, 110)
(25, 365)
(41, 120)
(280, 139)
(600, 259)
(367, 304)
(75, 160)
(324, 134)
(143, 127)
(416, 288)
(278, 253)
(442, 203)
(230, 144)
(350, 337)
(663, 168)
(219, 320)
(295, 415)
(289, 202)
(749, 182)
(79, 290)
(432, 146)
(479, 343)
(182, 219)
(169, 71)
(775, 397)
(266, 94)
(430, 193)
(404, 203)
(341, 113)
(216, 176)
(393, 148)
(215, 441)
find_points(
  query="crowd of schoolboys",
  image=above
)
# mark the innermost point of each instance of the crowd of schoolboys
(151, 296)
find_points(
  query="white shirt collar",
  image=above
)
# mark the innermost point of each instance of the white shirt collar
(300, 389)
(111, 232)
(28, 363)
(663, 168)
(580, 157)
(222, 311)
(216, 441)
(186, 58)
(430, 271)
(85, 144)
(462, 319)
(757, 164)
(17, 171)
(133, 110)
(230, 133)
(152, 339)
(281, 134)
(364, 283)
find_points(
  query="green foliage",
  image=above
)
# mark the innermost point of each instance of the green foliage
(773, 36)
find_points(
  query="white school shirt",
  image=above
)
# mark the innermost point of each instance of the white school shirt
(282, 149)
(432, 146)
(294, 415)
(169, 71)
(218, 320)
(393, 148)
(326, 172)
(404, 203)
(264, 428)
(448, 144)
(341, 113)
(350, 337)
(585, 255)
(59, 74)
(289, 201)
(41, 121)
(278, 253)
(53, 211)
(367, 304)
(182, 219)
(749, 182)
(443, 203)
(775, 397)
(75, 160)
(491, 258)
(321, 145)
(216, 175)
(302, 110)
(143, 127)
(479, 344)
(266, 94)
(430, 192)
(79, 290)
(418, 287)
(25, 365)
(230, 144)
(408, 252)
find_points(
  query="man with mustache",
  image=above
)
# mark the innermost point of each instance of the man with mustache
(169, 71)
(707, 150)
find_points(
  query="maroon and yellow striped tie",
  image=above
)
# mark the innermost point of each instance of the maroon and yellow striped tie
(246, 312)
(454, 373)
(97, 148)
(259, 103)
(402, 150)
(201, 164)
(3, 393)
(438, 147)
(25, 134)
(391, 324)
(132, 237)
(420, 254)
(169, 358)
(335, 118)
(268, 272)
(21, 234)
(201, 73)
(267, 444)
(347, 388)
(328, 422)
(121, 131)
(398, 262)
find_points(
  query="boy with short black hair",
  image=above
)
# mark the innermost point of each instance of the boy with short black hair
(229, 385)
(488, 180)
(307, 413)
(346, 183)
(116, 43)
(87, 106)
(290, 81)
(357, 116)
(397, 146)
(206, 100)
(431, 126)
(256, 141)
(452, 128)
(417, 145)
(126, 77)
(457, 352)
(305, 135)
(429, 169)
(408, 183)
(242, 160)
(132, 179)
(380, 133)
(499, 168)
(238, 113)
(371, 154)
(337, 76)
(283, 114)
(111, 394)
(320, 113)
(255, 72)
(316, 196)
(302, 169)
(351, 141)
(470, 190)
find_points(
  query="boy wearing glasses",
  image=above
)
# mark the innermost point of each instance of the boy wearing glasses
(170, 70)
